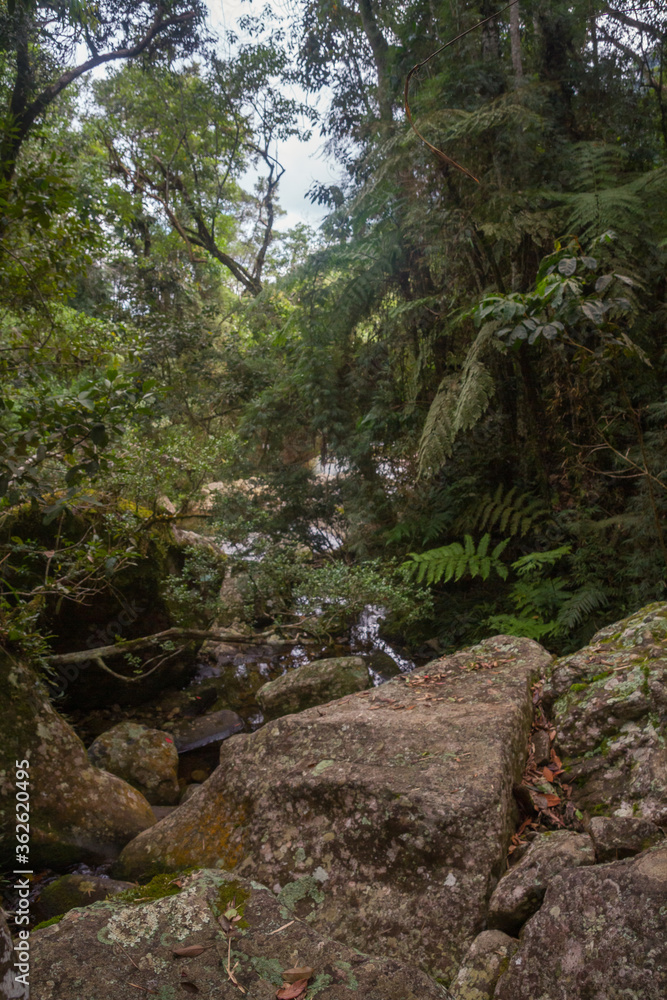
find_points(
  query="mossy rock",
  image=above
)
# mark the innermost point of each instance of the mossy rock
(313, 684)
(79, 956)
(77, 812)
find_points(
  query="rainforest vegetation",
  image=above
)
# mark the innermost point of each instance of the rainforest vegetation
(477, 355)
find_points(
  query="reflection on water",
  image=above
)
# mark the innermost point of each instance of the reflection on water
(237, 672)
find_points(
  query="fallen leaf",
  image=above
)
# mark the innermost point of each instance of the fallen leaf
(189, 987)
(189, 951)
(298, 973)
(292, 991)
(552, 800)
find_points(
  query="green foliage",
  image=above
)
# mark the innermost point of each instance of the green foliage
(454, 561)
(509, 512)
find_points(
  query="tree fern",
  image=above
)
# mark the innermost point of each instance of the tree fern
(458, 405)
(598, 202)
(454, 560)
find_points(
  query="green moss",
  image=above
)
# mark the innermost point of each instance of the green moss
(158, 887)
(319, 983)
(294, 891)
(601, 750)
(269, 969)
(600, 809)
(231, 894)
(578, 687)
(49, 923)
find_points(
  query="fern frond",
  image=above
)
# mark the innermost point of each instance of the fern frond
(539, 560)
(509, 513)
(454, 560)
(458, 405)
(580, 606)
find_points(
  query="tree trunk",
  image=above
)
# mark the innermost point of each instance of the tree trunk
(515, 41)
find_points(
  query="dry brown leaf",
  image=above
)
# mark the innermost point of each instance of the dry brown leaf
(552, 800)
(189, 987)
(189, 951)
(296, 974)
(292, 991)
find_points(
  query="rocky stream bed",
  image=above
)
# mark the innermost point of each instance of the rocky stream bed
(297, 824)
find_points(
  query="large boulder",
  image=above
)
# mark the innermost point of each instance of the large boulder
(104, 947)
(76, 810)
(384, 816)
(146, 758)
(601, 934)
(520, 892)
(610, 710)
(313, 684)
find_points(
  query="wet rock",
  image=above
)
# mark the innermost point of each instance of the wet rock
(146, 758)
(70, 891)
(107, 942)
(382, 664)
(207, 730)
(520, 892)
(313, 684)
(616, 837)
(601, 934)
(486, 960)
(77, 812)
(610, 711)
(383, 816)
(10, 989)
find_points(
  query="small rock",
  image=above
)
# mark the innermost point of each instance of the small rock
(146, 758)
(199, 775)
(486, 960)
(617, 837)
(382, 664)
(207, 730)
(188, 792)
(541, 747)
(70, 891)
(521, 890)
(313, 684)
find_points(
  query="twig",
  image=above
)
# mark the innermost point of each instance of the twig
(278, 929)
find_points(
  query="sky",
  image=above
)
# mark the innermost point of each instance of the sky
(303, 161)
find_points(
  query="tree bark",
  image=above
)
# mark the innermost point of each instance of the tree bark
(380, 50)
(515, 41)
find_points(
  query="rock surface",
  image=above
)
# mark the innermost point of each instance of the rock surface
(383, 816)
(617, 837)
(109, 944)
(610, 710)
(9, 988)
(313, 684)
(70, 891)
(207, 730)
(601, 934)
(486, 960)
(521, 890)
(76, 810)
(146, 758)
